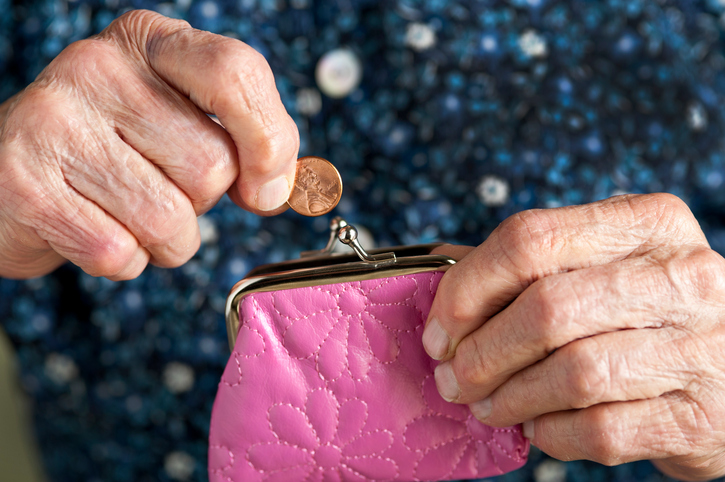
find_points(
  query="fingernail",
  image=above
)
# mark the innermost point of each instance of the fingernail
(446, 382)
(481, 409)
(435, 340)
(528, 429)
(273, 194)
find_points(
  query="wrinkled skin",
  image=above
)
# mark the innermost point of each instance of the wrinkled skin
(109, 156)
(600, 327)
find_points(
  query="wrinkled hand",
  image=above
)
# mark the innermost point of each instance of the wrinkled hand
(600, 327)
(109, 156)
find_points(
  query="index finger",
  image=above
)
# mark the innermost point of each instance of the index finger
(229, 79)
(534, 244)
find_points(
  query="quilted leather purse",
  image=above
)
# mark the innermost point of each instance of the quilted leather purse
(328, 379)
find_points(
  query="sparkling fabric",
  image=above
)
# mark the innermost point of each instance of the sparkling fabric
(466, 112)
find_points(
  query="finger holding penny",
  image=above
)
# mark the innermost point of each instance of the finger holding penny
(116, 127)
(227, 78)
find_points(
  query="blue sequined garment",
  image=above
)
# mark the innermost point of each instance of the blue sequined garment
(467, 113)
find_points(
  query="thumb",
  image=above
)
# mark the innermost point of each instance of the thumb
(229, 79)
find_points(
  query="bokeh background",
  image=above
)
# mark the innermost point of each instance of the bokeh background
(443, 117)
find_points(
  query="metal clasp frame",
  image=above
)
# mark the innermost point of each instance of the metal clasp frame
(347, 234)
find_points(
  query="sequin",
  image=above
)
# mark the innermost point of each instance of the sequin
(338, 73)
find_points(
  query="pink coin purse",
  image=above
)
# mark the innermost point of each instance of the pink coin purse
(328, 379)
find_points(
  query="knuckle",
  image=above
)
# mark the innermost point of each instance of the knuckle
(284, 142)
(83, 61)
(258, 74)
(275, 145)
(39, 114)
(551, 311)
(516, 229)
(213, 174)
(129, 272)
(162, 226)
(546, 305)
(244, 77)
(703, 272)
(135, 23)
(455, 300)
(666, 202)
(251, 92)
(159, 215)
(587, 376)
(676, 211)
(29, 179)
(606, 442)
(471, 366)
(17, 191)
(526, 237)
(460, 312)
(110, 254)
(131, 19)
(176, 254)
(90, 51)
(38, 96)
(170, 233)
(671, 214)
(206, 192)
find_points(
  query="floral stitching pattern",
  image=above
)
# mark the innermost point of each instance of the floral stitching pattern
(455, 438)
(356, 323)
(323, 440)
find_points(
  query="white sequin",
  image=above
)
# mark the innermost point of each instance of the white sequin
(133, 300)
(714, 179)
(237, 267)
(207, 230)
(696, 116)
(489, 43)
(209, 9)
(338, 73)
(493, 191)
(420, 36)
(533, 44)
(626, 44)
(550, 471)
(60, 368)
(309, 101)
(593, 144)
(178, 377)
(179, 465)
(40, 323)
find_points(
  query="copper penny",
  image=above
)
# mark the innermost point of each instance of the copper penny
(318, 187)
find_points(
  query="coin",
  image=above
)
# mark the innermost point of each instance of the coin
(318, 187)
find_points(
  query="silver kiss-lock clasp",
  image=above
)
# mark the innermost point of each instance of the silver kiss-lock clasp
(341, 231)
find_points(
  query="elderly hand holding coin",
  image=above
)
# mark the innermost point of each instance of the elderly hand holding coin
(109, 156)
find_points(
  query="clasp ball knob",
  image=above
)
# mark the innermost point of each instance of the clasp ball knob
(347, 234)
